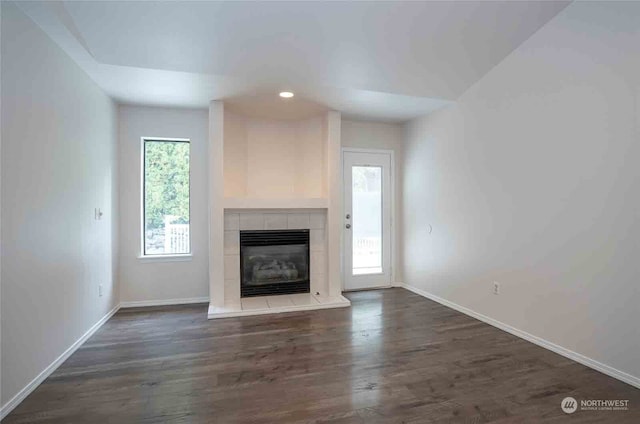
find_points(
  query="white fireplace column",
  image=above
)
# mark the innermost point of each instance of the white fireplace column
(334, 210)
(216, 203)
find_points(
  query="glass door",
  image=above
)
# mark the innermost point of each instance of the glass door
(367, 219)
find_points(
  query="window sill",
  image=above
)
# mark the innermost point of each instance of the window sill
(165, 258)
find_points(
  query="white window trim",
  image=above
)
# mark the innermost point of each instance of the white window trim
(166, 258)
(181, 257)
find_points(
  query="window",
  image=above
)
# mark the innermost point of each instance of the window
(165, 197)
(367, 219)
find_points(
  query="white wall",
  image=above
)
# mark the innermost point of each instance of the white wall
(531, 180)
(269, 158)
(379, 135)
(150, 279)
(58, 164)
(235, 155)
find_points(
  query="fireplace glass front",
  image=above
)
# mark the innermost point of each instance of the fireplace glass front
(274, 262)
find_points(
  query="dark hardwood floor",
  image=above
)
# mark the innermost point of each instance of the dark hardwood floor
(393, 357)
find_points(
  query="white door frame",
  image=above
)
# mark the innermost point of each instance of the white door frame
(392, 199)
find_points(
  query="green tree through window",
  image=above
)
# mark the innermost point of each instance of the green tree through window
(166, 197)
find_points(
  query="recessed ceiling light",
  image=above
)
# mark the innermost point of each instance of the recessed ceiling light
(286, 94)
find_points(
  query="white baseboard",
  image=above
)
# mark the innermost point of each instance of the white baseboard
(22, 394)
(163, 302)
(584, 360)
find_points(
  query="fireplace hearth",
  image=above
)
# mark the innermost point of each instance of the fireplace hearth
(274, 262)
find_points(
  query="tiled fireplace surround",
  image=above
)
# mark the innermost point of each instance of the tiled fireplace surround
(234, 222)
(320, 297)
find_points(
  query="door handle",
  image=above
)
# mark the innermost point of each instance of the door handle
(347, 226)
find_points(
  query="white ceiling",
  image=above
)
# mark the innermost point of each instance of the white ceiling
(377, 60)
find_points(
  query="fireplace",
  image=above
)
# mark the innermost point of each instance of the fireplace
(274, 262)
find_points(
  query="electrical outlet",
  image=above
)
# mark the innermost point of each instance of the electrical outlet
(496, 287)
(100, 290)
